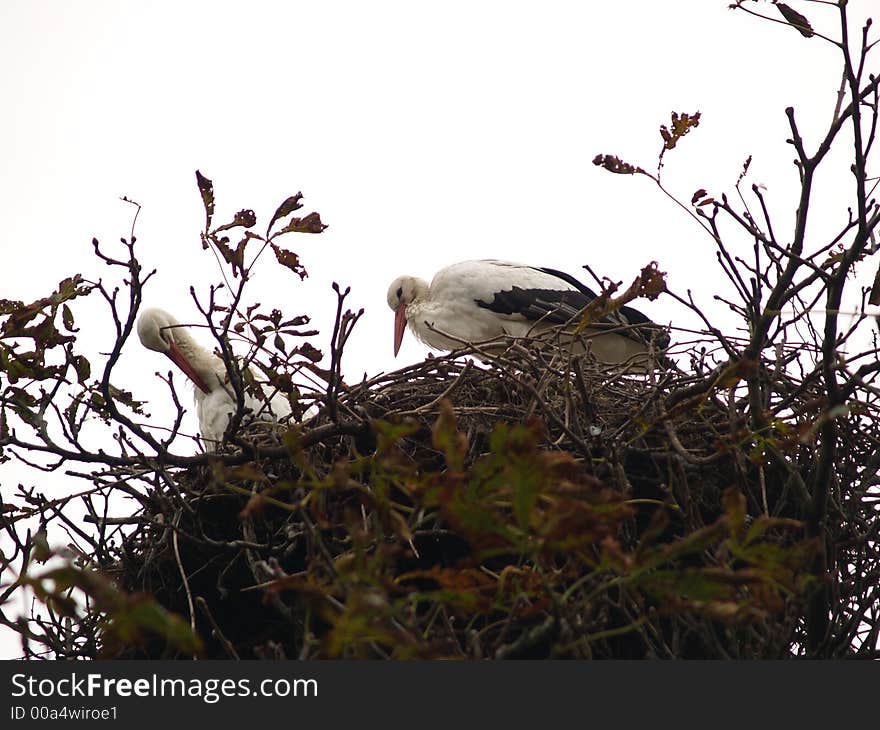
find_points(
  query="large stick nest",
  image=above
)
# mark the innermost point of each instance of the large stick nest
(533, 504)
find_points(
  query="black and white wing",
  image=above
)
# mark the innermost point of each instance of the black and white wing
(549, 296)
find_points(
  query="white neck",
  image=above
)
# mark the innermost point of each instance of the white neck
(210, 367)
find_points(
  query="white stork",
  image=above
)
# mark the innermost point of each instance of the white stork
(474, 301)
(214, 396)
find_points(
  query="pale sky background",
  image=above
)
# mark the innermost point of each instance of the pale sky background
(423, 134)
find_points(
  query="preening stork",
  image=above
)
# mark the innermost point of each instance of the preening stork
(475, 301)
(214, 396)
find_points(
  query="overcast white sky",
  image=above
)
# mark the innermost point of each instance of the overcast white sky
(423, 134)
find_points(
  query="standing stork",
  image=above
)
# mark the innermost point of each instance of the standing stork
(474, 301)
(214, 397)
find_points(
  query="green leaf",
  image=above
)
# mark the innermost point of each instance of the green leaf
(447, 439)
(126, 398)
(83, 368)
(734, 503)
(70, 414)
(147, 616)
(389, 434)
(40, 550)
(526, 480)
(67, 318)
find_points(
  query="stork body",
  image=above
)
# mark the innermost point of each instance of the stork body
(214, 397)
(475, 301)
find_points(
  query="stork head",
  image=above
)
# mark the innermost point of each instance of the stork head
(404, 290)
(161, 332)
(155, 328)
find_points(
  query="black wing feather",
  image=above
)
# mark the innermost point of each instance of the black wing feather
(625, 316)
(558, 306)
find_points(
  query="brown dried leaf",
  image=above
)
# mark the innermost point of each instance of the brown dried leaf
(309, 352)
(745, 169)
(732, 374)
(206, 188)
(244, 218)
(310, 224)
(289, 260)
(681, 125)
(651, 281)
(616, 165)
(286, 208)
(796, 20)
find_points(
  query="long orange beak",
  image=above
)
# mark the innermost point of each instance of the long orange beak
(399, 327)
(178, 359)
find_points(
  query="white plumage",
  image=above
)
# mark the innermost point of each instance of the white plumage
(475, 301)
(214, 396)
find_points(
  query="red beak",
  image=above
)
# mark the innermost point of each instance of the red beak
(399, 327)
(178, 359)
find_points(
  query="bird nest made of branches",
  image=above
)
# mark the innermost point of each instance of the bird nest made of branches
(533, 504)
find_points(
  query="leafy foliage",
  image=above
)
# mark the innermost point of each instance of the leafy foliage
(535, 505)
(792, 274)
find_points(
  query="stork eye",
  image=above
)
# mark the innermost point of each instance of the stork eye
(399, 292)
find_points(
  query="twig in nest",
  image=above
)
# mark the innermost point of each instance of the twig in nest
(445, 394)
(224, 642)
(684, 453)
(189, 599)
(343, 325)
